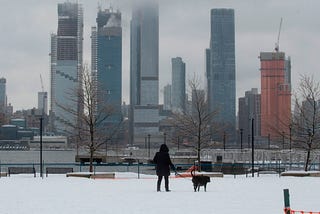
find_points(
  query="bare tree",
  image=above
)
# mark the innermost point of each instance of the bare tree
(306, 117)
(91, 128)
(197, 123)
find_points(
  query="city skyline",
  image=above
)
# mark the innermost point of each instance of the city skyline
(184, 30)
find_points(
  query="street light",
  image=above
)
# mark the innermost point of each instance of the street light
(41, 174)
(290, 134)
(241, 132)
(283, 140)
(224, 140)
(149, 146)
(252, 146)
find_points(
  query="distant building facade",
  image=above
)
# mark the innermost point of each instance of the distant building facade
(43, 101)
(275, 94)
(3, 96)
(109, 63)
(249, 108)
(144, 70)
(221, 71)
(167, 97)
(66, 66)
(178, 92)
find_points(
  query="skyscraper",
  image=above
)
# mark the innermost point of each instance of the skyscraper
(43, 101)
(66, 65)
(220, 69)
(178, 93)
(167, 97)
(3, 95)
(109, 62)
(275, 93)
(144, 70)
(249, 107)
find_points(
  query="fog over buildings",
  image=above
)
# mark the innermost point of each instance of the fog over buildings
(184, 30)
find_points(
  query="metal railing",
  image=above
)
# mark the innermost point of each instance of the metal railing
(145, 168)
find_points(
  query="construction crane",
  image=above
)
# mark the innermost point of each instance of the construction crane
(44, 95)
(41, 83)
(278, 40)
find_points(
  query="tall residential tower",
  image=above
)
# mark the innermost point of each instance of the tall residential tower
(108, 62)
(178, 92)
(221, 72)
(144, 70)
(249, 108)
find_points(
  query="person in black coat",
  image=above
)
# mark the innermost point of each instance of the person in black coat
(163, 164)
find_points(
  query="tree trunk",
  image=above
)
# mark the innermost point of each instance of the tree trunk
(91, 159)
(308, 158)
(198, 157)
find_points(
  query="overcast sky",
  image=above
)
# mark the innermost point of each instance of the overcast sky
(184, 27)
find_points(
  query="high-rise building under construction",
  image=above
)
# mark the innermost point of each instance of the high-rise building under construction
(275, 94)
(66, 65)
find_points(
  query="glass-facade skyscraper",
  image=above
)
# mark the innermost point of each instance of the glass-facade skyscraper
(108, 63)
(178, 93)
(66, 65)
(221, 74)
(144, 70)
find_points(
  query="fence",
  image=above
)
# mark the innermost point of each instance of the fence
(143, 168)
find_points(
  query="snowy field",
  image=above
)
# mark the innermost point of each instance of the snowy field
(57, 194)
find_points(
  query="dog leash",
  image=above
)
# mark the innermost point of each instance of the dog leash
(182, 176)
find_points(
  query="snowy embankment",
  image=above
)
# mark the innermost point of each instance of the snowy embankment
(129, 195)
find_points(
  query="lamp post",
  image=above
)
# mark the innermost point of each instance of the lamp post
(252, 146)
(149, 146)
(283, 140)
(145, 143)
(224, 140)
(165, 138)
(41, 167)
(290, 134)
(178, 143)
(269, 142)
(241, 132)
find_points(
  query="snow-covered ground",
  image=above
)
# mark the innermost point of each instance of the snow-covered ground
(57, 194)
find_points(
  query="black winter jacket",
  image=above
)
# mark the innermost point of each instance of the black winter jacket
(163, 161)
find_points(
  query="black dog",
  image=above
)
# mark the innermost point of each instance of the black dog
(199, 180)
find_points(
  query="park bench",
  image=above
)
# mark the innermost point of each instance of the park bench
(58, 170)
(22, 170)
(270, 170)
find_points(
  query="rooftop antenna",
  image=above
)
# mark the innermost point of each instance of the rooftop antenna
(278, 40)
